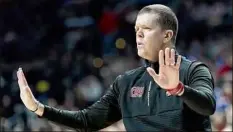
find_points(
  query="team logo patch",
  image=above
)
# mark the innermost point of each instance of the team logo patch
(137, 91)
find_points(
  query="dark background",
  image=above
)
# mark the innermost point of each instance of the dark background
(72, 50)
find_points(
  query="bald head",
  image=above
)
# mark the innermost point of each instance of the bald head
(166, 18)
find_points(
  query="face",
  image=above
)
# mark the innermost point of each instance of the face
(149, 36)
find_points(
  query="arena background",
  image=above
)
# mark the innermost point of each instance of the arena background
(71, 51)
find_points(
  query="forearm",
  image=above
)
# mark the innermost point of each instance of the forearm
(73, 119)
(97, 116)
(200, 101)
(100, 115)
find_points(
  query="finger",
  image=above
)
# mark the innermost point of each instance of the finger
(153, 73)
(19, 80)
(167, 56)
(178, 62)
(23, 77)
(172, 59)
(161, 58)
(21, 85)
(18, 74)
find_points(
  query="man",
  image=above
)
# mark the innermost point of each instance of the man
(169, 93)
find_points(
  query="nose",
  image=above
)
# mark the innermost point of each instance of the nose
(139, 34)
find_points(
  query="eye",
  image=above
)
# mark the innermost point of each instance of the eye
(147, 28)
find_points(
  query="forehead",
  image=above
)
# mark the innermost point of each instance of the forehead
(146, 19)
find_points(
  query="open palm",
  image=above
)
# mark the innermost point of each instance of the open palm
(25, 92)
(168, 77)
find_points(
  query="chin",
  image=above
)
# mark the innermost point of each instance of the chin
(145, 56)
(142, 55)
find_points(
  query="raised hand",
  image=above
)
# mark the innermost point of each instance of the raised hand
(25, 92)
(168, 77)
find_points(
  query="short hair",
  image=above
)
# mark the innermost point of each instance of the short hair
(166, 18)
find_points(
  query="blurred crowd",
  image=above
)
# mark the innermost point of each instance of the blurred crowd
(72, 50)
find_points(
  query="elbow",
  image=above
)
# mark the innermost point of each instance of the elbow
(212, 109)
(209, 109)
(212, 106)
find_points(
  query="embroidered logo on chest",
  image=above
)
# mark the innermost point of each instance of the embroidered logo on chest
(137, 91)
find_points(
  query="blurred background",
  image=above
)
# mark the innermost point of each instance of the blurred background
(72, 50)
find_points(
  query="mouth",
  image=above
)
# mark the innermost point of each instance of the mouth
(140, 44)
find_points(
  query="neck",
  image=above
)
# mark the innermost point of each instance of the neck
(168, 45)
(154, 65)
(164, 46)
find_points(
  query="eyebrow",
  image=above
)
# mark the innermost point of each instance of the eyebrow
(143, 26)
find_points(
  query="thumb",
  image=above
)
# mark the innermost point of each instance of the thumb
(152, 73)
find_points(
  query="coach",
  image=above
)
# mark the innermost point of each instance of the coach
(169, 93)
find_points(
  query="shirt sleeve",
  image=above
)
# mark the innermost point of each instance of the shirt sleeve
(199, 93)
(101, 114)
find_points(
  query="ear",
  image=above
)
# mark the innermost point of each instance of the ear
(168, 34)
